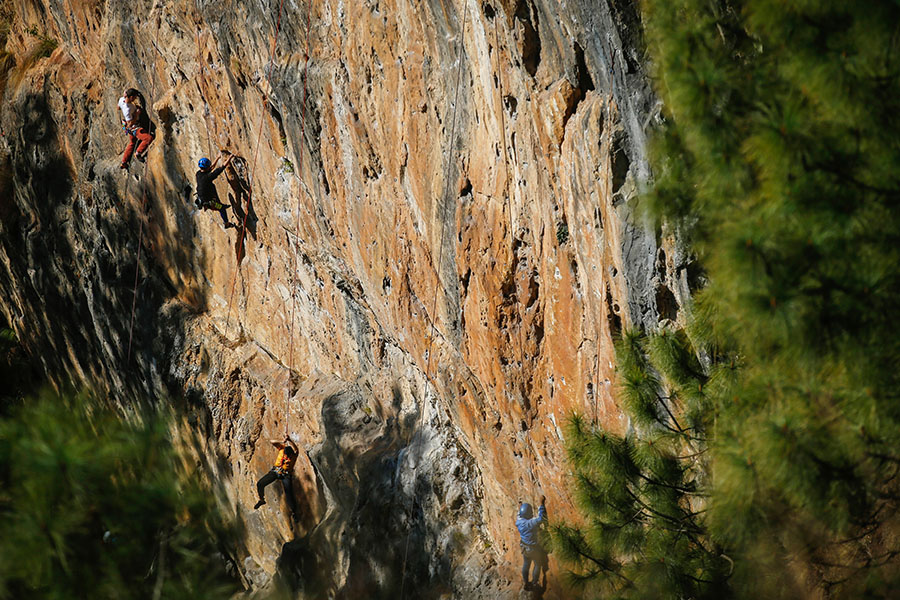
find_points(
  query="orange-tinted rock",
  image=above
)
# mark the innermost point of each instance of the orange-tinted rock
(438, 252)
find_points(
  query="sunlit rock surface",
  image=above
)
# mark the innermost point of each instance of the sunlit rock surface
(437, 258)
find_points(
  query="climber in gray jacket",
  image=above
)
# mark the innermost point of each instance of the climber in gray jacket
(532, 551)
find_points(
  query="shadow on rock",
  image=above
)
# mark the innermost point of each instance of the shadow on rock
(388, 526)
(237, 176)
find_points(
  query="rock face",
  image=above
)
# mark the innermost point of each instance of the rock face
(437, 256)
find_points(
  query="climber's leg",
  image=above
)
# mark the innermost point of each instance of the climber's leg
(289, 494)
(145, 137)
(261, 487)
(225, 217)
(538, 563)
(126, 157)
(526, 563)
(545, 566)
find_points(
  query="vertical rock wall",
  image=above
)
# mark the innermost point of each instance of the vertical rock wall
(437, 256)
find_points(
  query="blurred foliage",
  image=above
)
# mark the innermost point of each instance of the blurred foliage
(779, 163)
(96, 504)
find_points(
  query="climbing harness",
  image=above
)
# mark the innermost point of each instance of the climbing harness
(252, 182)
(137, 264)
(459, 58)
(211, 205)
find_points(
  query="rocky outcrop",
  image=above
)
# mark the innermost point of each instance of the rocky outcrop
(438, 254)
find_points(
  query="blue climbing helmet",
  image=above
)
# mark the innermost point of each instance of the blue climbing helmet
(203, 163)
(525, 511)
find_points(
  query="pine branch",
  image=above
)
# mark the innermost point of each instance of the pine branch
(601, 565)
(672, 487)
(663, 516)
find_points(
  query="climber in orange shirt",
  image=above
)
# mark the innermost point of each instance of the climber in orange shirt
(284, 466)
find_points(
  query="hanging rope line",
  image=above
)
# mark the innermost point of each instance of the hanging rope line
(242, 234)
(512, 232)
(137, 264)
(203, 93)
(607, 126)
(297, 225)
(429, 351)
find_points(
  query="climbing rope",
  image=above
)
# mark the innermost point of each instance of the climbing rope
(297, 226)
(202, 77)
(607, 169)
(137, 264)
(512, 233)
(459, 58)
(252, 181)
(203, 86)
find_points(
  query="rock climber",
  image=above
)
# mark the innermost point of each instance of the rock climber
(136, 124)
(207, 195)
(532, 550)
(284, 466)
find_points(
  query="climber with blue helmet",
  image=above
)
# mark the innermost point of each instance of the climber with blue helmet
(532, 550)
(207, 195)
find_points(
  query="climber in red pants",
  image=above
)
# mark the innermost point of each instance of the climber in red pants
(136, 124)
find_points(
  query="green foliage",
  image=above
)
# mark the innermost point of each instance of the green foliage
(46, 44)
(94, 505)
(643, 494)
(562, 233)
(779, 161)
(781, 156)
(7, 338)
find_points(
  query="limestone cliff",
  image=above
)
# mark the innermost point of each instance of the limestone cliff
(438, 254)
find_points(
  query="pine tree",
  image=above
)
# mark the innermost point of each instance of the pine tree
(779, 163)
(780, 160)
(644, 494)
(94, 505)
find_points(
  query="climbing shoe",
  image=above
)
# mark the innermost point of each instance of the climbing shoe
(258, 504)
(230, 226)
(123, 166)
(141, 157)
